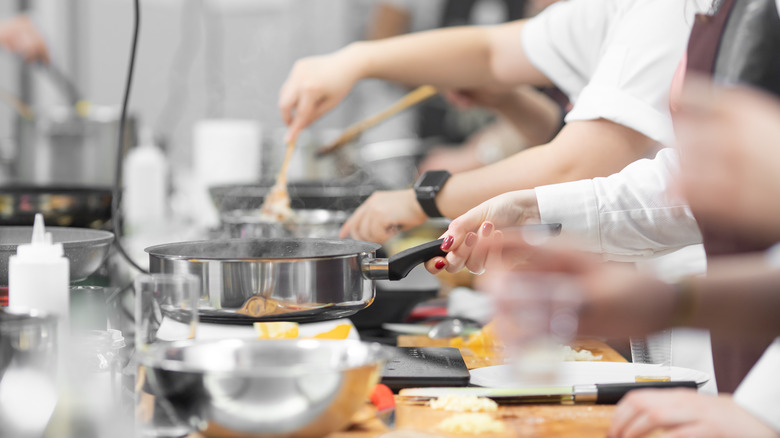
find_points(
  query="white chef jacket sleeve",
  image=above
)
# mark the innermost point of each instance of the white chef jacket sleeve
(631, 214)
(627, 80)
(759, 392)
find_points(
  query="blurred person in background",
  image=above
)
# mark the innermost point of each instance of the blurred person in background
(618, 76)
(19, 35)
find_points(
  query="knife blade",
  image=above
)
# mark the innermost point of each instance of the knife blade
(599, 393)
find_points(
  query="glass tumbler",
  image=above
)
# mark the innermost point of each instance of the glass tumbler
(536, 314)
(166, 310)
(652, 356)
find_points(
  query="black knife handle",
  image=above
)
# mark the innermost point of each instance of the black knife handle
(611, 393)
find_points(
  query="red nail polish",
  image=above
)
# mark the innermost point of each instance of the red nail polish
(440, 264)
(487, 227)
(448, 241)
(471, 239)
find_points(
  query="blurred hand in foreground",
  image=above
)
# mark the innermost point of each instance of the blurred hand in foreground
(684, 413)
(729, 157)
(19, 35)
(616, 300)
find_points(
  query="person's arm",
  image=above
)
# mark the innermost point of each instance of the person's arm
(19, 35)
(739, 298)
(582, 150)
(459, 57)
(462, 57)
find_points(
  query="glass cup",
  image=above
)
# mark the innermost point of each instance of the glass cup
(88, 310)
(28, 371)
(652, 355)
(536, 314)
(166, 310)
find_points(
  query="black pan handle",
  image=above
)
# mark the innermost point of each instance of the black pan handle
(399, 265)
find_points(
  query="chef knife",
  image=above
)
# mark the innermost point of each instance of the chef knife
(599, 393)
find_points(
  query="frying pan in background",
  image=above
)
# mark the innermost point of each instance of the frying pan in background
(305, 223)
(329, 195)
(86, 249)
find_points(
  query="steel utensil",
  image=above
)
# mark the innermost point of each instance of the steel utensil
(599, 393)
(256, 388)
(293, 279)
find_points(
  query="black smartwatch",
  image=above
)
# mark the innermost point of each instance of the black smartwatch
(427, 187)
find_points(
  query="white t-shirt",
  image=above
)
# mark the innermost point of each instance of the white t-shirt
(615, 59)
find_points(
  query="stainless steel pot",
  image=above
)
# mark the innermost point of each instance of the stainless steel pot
(305, 223)
(61, 147)
(248, 280)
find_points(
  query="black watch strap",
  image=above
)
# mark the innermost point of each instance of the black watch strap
(427, 187)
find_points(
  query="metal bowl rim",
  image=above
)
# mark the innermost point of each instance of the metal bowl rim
(147, 358)
(98, 237)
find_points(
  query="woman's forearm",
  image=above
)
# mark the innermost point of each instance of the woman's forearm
(459, 57)
(582, 150)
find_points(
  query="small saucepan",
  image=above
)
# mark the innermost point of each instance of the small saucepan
(291, 279)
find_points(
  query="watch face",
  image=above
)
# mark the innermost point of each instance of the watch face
(433, 180)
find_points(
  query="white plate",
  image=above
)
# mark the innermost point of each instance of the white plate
(578, 373)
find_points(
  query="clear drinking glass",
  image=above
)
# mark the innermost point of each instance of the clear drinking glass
(29, 371)
(652, 355)
(536, 314)
(166, 309)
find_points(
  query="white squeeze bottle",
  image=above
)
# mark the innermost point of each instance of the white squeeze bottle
(39, 277)
(146, 185)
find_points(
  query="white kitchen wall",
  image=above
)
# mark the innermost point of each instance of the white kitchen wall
(202, 58)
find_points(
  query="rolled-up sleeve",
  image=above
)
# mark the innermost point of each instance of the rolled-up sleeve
(637, 44)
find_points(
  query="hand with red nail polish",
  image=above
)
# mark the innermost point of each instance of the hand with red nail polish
(470, 238)
(447, 244)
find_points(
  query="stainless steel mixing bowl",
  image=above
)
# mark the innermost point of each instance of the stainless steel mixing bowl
(263, 388)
